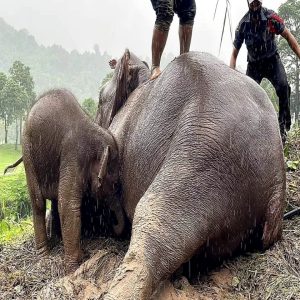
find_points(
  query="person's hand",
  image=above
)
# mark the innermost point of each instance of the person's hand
(113, 63)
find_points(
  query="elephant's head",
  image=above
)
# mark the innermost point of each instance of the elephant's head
(104, 174)
(129, 73)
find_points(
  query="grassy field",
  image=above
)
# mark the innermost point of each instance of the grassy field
(9, 155)
(14, 200)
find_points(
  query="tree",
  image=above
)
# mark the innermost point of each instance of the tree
(20, 74)
(3, 108)
(3, 79)
(290, 12)
(12, 99)
(90, 107)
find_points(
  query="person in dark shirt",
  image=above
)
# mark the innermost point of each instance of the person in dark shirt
(258, 29)
(164, 9)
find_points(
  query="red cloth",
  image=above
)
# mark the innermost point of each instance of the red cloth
(273, 23)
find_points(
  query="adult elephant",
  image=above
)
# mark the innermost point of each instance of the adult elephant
(201, 168)
(67, 157)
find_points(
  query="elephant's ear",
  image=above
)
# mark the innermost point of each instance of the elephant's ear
(103, 165)
(122, 84)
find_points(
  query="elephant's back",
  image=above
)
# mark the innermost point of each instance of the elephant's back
(204, 123)
(199, 102)
(54, 105)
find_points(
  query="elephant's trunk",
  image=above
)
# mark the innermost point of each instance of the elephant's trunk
(118, 211)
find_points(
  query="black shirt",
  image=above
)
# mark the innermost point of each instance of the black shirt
(259, 37)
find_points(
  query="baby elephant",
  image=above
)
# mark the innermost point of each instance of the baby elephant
(66, 156)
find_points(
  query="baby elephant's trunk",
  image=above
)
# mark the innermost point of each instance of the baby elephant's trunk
(119, 222)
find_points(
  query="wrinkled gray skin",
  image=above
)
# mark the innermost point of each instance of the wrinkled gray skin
(65, 155)
(202, 170)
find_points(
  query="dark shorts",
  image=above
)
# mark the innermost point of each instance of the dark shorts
(165, 9)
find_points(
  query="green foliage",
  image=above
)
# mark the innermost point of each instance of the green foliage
(7, 156)
(21, 75)
(12, 231)
(16, 95)
(14, 198)
(107, 78)
(90, 107)
(293, 164)
(13, 98)
(14, 201)
(290, 12)
(268, 87)
(291, 149)
(3, 80)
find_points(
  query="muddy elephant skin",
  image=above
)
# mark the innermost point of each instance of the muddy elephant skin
(65, 156)
(202, 170)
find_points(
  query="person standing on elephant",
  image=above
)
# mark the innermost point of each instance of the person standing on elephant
(164, 9)
(258, 29)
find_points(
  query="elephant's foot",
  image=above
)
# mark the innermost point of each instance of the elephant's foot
(72, 262)
(42, 249)
(132, 281)
(53, 241)
(155, 73)
(71, 267)
(272, 230)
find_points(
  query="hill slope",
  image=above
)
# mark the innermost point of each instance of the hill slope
(53, 66)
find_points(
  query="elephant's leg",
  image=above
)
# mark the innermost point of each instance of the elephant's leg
(117, 209)
(53, 224)
(69, 203)
(274, 216)
(160, 243)
(38, 210)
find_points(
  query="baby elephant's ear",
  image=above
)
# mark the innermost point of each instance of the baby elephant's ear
(112, 63)
(122, 84)
(127, 54)
(103, 165)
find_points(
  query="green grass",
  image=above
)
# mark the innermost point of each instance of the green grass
(11, 232)
(14, 199)
(9, 155)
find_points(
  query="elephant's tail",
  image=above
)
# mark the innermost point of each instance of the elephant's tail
(14, 164)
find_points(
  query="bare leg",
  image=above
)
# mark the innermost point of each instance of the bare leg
(159, 40)
(185, 37)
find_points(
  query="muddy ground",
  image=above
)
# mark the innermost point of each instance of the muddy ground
(273, 274)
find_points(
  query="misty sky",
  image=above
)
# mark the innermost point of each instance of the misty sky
(117, 24)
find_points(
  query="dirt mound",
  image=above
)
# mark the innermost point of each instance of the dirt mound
(273, 274)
